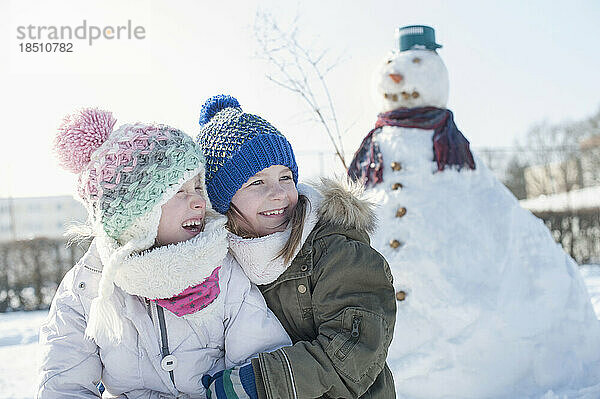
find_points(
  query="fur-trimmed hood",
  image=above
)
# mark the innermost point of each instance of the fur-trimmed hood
(344, 203)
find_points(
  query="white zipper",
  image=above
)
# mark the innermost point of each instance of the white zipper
(287, 361)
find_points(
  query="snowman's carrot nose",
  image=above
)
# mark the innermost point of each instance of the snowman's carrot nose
(396, 77)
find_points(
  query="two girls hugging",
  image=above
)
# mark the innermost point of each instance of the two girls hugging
(212, 272)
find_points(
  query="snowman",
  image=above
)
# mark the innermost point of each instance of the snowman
(489, 306)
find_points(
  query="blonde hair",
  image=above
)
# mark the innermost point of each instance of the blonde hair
(296, 220)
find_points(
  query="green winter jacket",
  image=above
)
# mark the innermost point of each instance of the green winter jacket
(337, 303)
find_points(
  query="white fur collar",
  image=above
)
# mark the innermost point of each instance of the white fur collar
(166, 271)
(258, 256)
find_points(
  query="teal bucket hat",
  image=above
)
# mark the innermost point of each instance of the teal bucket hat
(416, 35)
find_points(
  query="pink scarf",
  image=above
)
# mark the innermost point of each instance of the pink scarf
(193, 298)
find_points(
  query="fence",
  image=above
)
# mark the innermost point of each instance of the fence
(577, 231)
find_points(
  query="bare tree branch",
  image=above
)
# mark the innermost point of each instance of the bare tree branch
(302, 70)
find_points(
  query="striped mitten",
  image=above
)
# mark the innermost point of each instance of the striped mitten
(233, 383)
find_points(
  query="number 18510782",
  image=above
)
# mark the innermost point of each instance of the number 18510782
(46, 47)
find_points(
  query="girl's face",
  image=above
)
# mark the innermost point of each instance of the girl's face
(267, 200)
(183, 215)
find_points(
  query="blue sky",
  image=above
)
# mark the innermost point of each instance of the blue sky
(511, 64)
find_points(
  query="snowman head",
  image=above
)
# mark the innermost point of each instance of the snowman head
(412, 78)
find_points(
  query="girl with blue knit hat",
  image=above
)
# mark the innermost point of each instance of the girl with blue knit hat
(307, 248)
(156, 302)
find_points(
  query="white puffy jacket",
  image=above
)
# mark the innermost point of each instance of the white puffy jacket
(72, 365)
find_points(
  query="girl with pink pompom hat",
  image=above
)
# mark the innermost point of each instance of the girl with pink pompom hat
(156, 302)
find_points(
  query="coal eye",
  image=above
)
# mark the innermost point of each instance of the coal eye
(389, 61)
(416, 60)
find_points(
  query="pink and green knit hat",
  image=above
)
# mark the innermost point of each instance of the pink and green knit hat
(125, 174)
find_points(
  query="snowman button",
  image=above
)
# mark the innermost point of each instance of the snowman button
(395, 244)
(396, 166)
(397, 186)
(400, 212)
(400, 295)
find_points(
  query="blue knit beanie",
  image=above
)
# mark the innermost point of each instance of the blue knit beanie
(236, 146)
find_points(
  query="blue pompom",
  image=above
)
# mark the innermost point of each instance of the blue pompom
(214, 105)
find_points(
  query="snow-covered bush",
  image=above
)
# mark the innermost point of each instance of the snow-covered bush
(30, 271)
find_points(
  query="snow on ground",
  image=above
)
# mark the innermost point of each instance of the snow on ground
(19, 353)
(19, 350)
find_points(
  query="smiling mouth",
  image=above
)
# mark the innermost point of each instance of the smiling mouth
(274, 212)
(193, 225)
(405, 95)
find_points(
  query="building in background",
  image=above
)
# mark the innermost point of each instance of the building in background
(590, 161)
(575, 173)
(26, 218)
(566, 196)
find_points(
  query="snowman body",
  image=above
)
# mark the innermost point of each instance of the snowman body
(489, 305)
